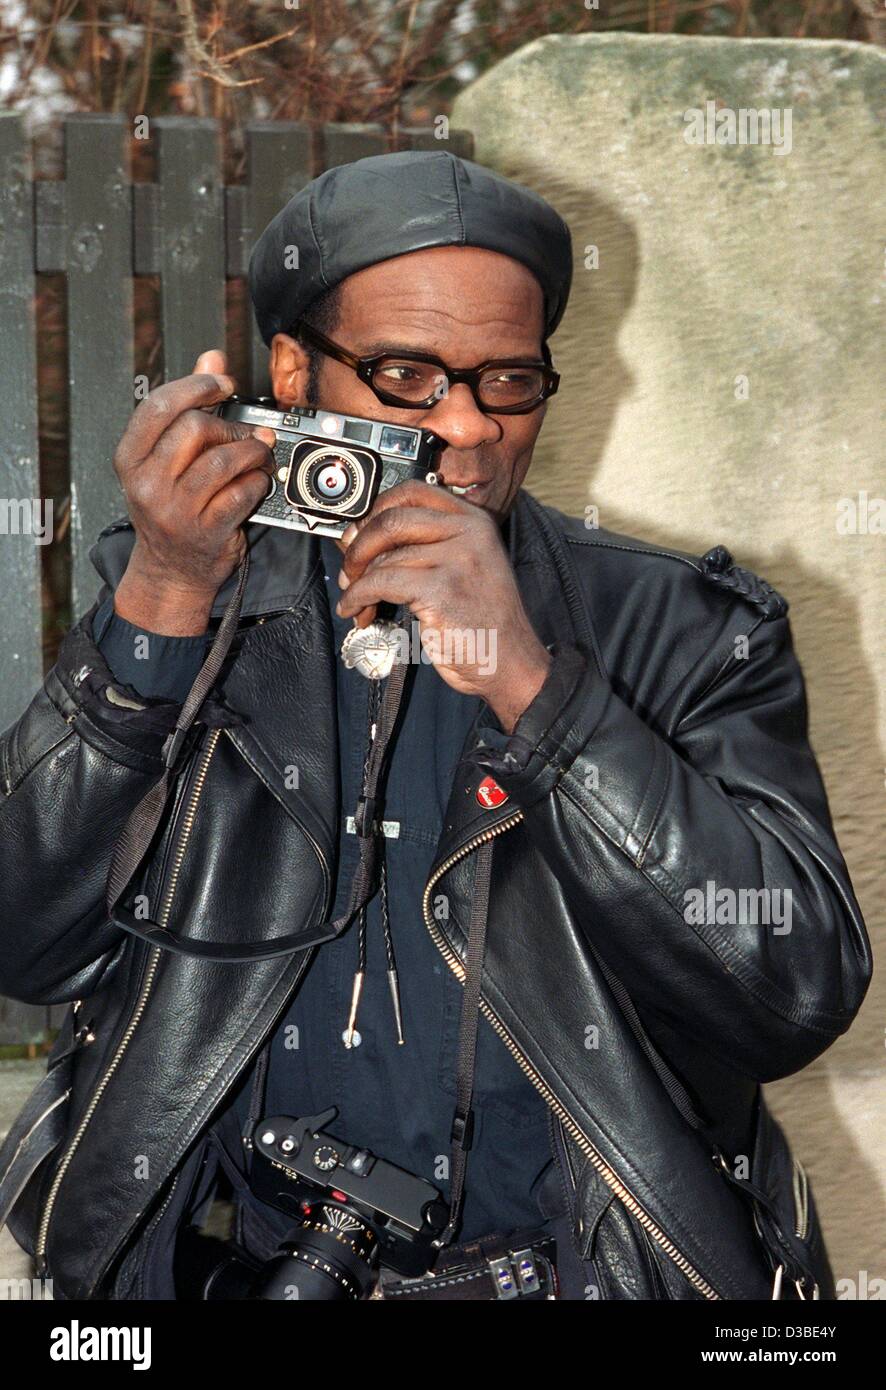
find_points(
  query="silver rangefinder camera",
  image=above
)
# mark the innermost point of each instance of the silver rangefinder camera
(330, 468)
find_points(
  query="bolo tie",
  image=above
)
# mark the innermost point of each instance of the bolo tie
(372, 651)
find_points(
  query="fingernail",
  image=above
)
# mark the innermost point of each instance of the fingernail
(343, 580)
(266, 436)
(225, 383)
(349, 533)
(338, 609)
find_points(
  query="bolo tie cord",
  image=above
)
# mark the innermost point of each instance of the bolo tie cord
(374, 704)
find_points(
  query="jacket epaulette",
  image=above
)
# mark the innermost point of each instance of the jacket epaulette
(719, 567)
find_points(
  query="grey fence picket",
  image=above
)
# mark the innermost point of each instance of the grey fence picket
(280, 162)
(100, 353)
(100, 230)
(191, 241)
(459, 142)
(21, 655)
(21, 660)
(341, 144)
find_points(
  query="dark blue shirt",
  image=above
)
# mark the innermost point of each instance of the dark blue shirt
(396, 1100)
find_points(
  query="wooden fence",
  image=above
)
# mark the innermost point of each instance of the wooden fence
(101, 230)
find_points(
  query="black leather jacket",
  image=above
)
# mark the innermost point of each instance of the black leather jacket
(665, 753)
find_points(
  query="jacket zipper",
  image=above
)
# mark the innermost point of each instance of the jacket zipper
(801, 1200)
(608, 1174)
(141, 1002)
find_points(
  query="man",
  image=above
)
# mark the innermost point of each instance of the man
(623, 800)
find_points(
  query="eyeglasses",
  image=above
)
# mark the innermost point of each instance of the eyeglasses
(417, 380)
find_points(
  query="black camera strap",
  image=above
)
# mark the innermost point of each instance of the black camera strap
(463, 1120)
(142, 824)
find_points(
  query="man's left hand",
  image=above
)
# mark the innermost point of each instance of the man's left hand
(444, 559)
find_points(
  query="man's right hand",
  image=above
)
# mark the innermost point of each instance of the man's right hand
(190, 480)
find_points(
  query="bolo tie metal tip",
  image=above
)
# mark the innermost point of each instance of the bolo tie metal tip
(394, 985)
(355, 1002)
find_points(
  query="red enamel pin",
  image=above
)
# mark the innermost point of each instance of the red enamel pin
(490, 794)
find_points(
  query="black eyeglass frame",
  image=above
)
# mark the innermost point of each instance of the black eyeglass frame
(469, 376)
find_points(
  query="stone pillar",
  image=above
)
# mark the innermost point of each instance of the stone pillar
(723, 382)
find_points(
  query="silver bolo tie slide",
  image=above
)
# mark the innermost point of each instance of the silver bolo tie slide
(372, 651)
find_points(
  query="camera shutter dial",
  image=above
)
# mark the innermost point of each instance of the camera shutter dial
(325, 1158)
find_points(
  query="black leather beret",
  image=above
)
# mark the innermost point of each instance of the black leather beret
(357, 214)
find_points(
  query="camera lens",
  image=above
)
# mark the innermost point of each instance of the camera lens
(330, 1257)
(329, 477)
(331, 480)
